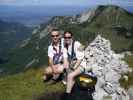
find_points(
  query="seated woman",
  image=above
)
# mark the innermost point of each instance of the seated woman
(75, 51)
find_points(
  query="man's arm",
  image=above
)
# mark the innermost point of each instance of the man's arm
(50, 62)
(50, 58)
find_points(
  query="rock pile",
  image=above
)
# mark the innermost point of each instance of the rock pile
(130, 92)
(108, 67)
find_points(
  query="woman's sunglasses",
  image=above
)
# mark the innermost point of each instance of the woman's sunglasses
(67, 37)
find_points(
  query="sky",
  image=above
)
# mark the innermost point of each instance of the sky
(66, 2)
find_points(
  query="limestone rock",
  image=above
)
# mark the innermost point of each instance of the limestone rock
(108, 68)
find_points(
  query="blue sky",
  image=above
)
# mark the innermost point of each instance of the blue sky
(66, 2)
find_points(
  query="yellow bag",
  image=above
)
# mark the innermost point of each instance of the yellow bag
(86, 81)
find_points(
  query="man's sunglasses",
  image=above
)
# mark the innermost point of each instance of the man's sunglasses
(54, 35)
(67, 37)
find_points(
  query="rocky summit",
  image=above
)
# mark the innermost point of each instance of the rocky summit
(108, 67)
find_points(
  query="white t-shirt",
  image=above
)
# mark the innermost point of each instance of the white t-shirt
(51, 51)
(79, 53)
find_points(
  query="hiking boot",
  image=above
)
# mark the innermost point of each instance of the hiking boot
(52, 82)
(64, 82)
(57, 78)
(46, 78)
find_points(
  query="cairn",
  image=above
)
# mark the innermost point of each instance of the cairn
(108, 67)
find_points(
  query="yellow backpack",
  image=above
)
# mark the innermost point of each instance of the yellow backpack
(86, 81)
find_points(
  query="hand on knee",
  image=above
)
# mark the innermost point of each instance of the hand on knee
(48, 71)
(58, 70)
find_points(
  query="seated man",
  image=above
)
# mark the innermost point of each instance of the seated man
(57, 56)
(75, 56)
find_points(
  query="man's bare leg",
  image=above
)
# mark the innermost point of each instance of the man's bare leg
(47, 72)
(58, 70)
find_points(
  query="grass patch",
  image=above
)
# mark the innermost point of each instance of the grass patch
(127, 84)
(27, 86)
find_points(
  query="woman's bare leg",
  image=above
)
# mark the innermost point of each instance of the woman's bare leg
(70, 79)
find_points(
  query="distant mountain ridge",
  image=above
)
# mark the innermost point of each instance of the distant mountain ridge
(11, 34)
(35, 15)
(105, 20)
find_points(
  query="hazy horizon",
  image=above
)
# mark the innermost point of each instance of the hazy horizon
(35, 15)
